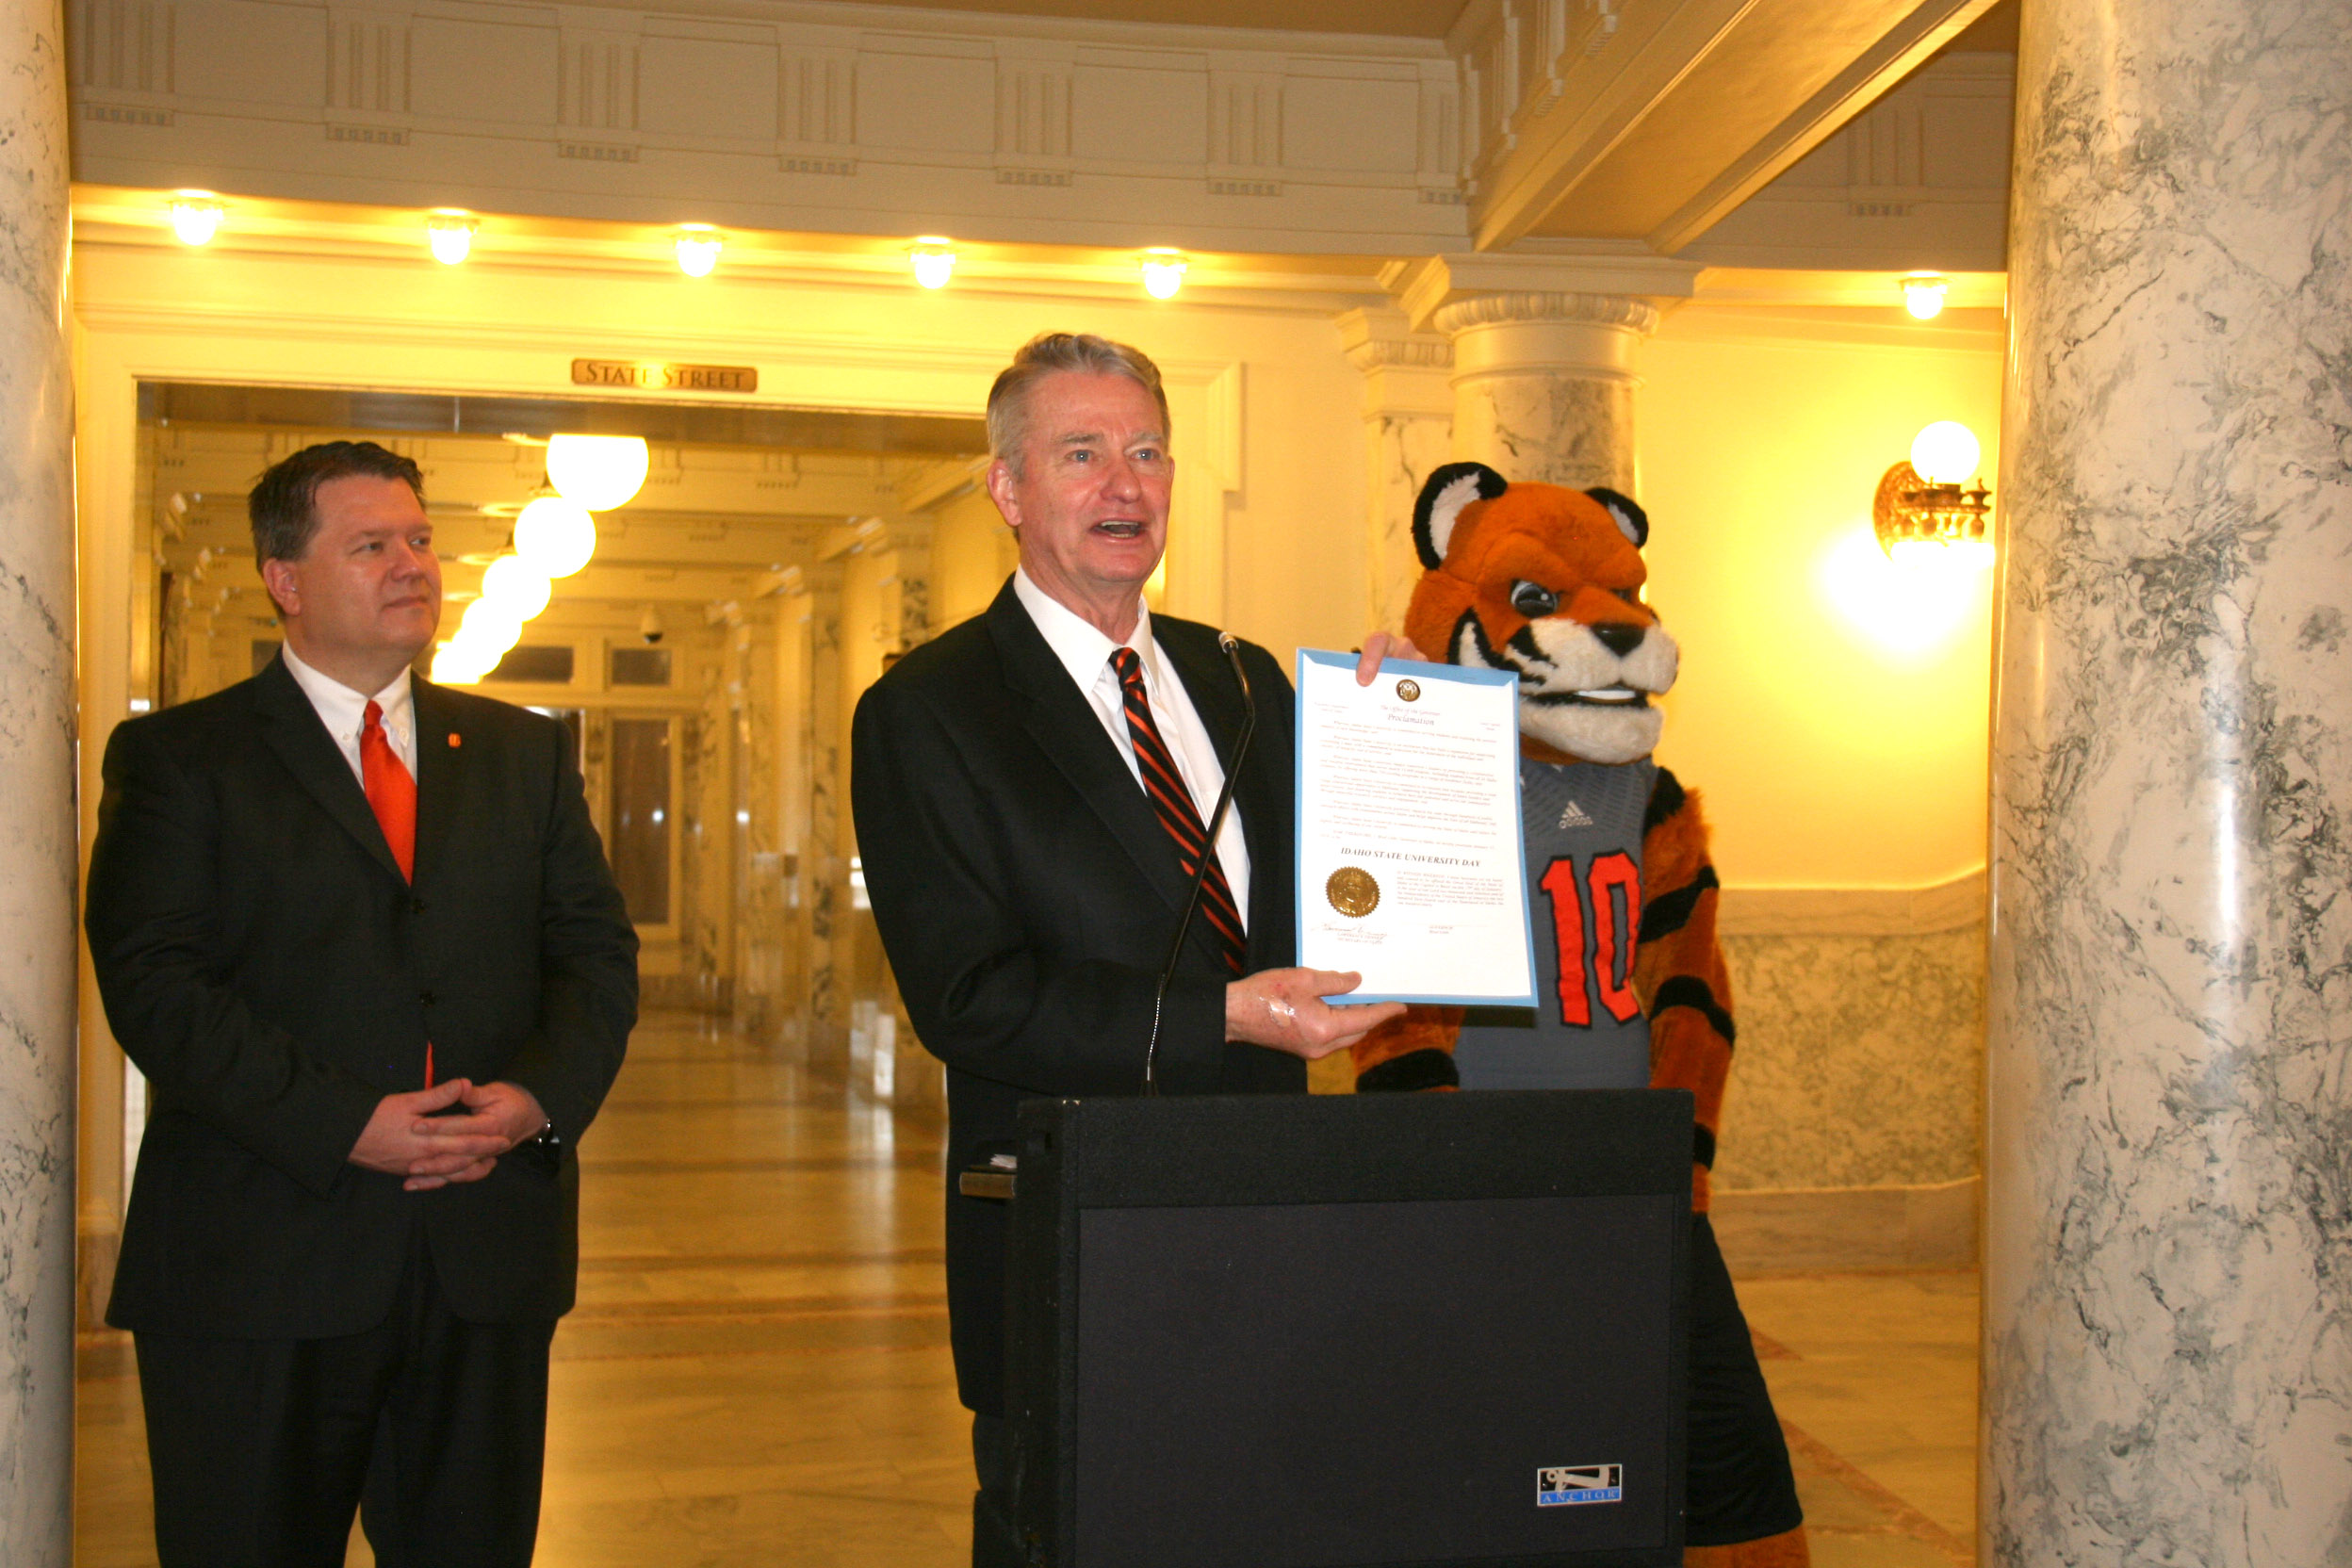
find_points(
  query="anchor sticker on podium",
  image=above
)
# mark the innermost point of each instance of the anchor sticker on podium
(1562, 1485)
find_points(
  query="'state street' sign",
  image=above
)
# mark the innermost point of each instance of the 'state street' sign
(654, 377)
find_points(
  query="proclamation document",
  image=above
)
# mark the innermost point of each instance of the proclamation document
(1409, 834)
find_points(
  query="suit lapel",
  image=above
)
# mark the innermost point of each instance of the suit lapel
(1063, 723)
(292, 728)
(441, 765)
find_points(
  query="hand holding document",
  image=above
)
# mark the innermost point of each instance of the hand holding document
(1409, 832)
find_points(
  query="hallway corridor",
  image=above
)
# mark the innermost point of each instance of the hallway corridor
(758, 1370)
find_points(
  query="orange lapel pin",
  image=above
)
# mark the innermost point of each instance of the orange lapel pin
(456, 740)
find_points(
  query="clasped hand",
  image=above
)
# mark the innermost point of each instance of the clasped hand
(405, 1138)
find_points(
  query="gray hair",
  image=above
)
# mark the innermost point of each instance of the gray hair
(1047, 354)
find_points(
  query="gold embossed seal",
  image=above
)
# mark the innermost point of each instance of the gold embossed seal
(1352, 891)
(1408, 688)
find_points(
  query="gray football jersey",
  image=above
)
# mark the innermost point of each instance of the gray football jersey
(1583, 826)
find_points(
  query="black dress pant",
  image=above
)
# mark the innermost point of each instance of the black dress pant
(261, 1449)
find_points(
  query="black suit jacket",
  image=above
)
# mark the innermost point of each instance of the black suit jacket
(265, 964)
(1026, 894)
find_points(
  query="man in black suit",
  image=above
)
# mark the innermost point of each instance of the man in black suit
(1032, 791)
(359, 934)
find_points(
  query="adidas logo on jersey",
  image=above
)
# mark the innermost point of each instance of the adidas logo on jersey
(1573, 815)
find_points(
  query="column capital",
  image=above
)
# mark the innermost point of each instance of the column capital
(1405, 372)
(1377, 336)
(1535, 279)
(1619, 311)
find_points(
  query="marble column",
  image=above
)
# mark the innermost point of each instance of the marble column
(39, 853)
(1544, 346)
(1407, 434)
(2168, 1356)
(905, 544)
(808, 682)
(1543, 384)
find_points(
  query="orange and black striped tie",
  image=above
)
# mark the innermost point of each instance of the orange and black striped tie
(1178, 814)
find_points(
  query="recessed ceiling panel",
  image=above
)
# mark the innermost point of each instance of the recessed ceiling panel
(1391, 18)
(682, 424)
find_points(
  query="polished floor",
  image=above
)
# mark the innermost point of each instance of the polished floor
(758, 1372)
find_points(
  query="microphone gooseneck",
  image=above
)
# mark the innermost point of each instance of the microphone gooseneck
(1231, 650)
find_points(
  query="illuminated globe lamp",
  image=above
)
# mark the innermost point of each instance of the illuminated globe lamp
(1163, 271)
(513, 583)
(1922, 512)
(1923, 294)
(451, 233)
(697, 247)
(554, 536)
(196, 217)
(934, 260)
(598, 472)
(454, 664)
(488, 630)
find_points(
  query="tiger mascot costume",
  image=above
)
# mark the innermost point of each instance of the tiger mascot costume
(1546, 583)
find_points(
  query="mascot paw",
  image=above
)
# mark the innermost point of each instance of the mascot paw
(1787, 1550)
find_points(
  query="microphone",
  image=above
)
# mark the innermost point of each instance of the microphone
(1231, 650)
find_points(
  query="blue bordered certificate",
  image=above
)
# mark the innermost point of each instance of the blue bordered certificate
(1410, 843)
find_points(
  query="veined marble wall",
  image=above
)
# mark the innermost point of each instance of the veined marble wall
(2168, 1330)
(1860, 1060)
(38, 854)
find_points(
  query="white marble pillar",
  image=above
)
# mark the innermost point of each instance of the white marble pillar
(809, 689)
(1543, 384)
(1407, 434)
(39, 858)
(1544, 347)
(2168, 1373)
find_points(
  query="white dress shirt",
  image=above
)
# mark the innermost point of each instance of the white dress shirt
(1086, 653)
(344, 711)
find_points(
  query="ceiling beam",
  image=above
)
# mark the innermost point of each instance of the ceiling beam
(1688, 110)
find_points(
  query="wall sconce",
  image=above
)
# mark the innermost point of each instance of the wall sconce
(196, 217)
(451, 233)
(1163, 271)
(1923, 294)
(934, 259)
(697, 247)
(1921, 506)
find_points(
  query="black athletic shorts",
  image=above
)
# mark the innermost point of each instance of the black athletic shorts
(1740, 1486)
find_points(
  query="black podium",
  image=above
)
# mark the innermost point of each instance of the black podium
(1294, 1331)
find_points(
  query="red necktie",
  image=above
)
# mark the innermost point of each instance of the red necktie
(1176, 812)
(391, 792)
(392, 796)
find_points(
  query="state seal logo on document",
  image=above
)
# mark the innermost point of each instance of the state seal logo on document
(1352, 891)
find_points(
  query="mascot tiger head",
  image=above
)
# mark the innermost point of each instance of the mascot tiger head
(1545, 582)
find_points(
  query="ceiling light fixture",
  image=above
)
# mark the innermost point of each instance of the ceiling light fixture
(934, 259)
(598, 473)
(555, 537)
(1163, 271)
(196, 217)
(451, 233)
(1923, 294)
(514, 582)
(697, 246)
